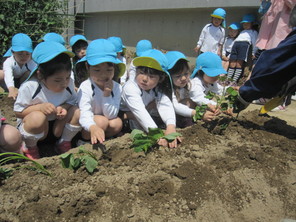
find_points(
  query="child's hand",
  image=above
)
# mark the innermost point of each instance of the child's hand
(48, 108)
(108, 86)
(214, 109)
(12, 92)
(61, 112)
(97, 134)
(171, 129)
(196, 49)
(208, 116)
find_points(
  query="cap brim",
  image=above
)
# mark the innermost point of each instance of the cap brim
(216, 16)
(147, 62)
(175, 61)
(213, 72)
(19, 49)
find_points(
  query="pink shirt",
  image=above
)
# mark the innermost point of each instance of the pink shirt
(275, 24)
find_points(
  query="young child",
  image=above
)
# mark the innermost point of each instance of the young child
(79, 44)
(233, 31)
(141, 47)
(17, 67)
(205, 75)
(10, 138)
(212, 35)
(148, 95)
(119, 49)
(45, 107)
(243, 45)
(183, 90)
(99, 96)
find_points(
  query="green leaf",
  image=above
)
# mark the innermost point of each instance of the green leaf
(155, 133)
(172, 136)
(136, 132)
(66, 160)
(90, 164)
(76, 163)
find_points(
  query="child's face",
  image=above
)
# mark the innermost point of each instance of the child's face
(216, 21)
(80, 52)
(232, 32)
(247, 25)
(209, 80)
(58, 81)
(147, 81)
(22, 57)
(181, 79)
(101, 74)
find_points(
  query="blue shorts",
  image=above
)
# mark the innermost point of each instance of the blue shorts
(240, 51)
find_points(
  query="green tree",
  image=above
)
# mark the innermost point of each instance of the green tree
(34, 18)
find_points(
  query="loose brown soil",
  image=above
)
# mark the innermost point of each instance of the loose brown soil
(244, 173)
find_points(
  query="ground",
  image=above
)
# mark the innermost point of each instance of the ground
(245, 173)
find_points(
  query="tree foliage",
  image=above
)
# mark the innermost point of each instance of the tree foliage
(34, 18)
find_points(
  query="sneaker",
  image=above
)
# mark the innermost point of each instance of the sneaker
(260, 101)
(63, 147)
(279, 108)
(32, 152)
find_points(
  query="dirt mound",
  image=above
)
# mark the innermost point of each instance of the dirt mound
(246, 172)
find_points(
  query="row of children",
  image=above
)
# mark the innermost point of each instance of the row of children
(236, 48)
(48, 105)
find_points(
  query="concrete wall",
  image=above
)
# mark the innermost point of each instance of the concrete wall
(168, 29)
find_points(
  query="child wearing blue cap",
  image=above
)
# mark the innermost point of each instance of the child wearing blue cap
(55, 37)
(147, 97)
(141, 47)
(205, 76)
(99, 96)
(243, 46)
(233, 31)
(45, 107)
(212, 35)
(120, 50)
(79, 45)
(183, 90)
(18, 66)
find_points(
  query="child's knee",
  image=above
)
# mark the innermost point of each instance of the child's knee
(35, 122)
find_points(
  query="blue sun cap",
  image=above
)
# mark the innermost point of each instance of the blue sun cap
(210, 63)
(219, 13)
(100, 51)
(173, 57)
(142, 46)
(55, 37)
(154, 59)
(117, 42)
(76, 38)
(21, 42)
(248, 18)
(46, 51)
(235, 26)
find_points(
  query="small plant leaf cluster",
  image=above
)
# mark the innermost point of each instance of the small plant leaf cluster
(143, 141)
(77, 160)
(9, 156)
(199, 112)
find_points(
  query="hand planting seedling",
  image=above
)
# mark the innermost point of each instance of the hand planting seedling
(199, 112)
(83, 157)
(9, 156)
(144, 142)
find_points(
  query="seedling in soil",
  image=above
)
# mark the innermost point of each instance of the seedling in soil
(199, 112)
(5, 173)
(144, 142)
(9, 156)
(77, 160)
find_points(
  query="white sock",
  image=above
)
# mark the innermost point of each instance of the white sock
(29, 138)
(69, 132)
(237, 74)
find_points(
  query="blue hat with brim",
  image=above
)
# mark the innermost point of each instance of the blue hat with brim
(248, 18)
(55, 37)
(77, 38)
(210, 63)
(21, 42)
(173, 57)
(100, 51)
(235, 26)
(142, 46)
(154, 59)
(46, 51)
(117, 43)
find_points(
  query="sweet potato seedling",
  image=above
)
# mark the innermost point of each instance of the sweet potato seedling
(77, 160)
(144, 142)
